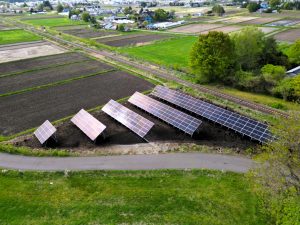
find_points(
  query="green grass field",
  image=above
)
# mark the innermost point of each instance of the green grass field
(172, 53)
(16, 36)
(53, 22)
(149, 197)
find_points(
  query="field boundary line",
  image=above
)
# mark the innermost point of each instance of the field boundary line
(42, 68)
(62, 82)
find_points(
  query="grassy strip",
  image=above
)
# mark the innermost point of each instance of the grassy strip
(42, 68)
(128, 197)
(11, 149)
(55, 83)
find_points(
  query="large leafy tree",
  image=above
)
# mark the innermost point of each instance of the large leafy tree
(212, 57)
(249, 46)
(277, 178)
(218, 9)
(253, 7)
(160, 15)
(294, 52)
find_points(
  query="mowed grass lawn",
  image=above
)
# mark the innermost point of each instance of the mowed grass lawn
(136, 197)
(53, 22)
(171, 53)
(16, 36)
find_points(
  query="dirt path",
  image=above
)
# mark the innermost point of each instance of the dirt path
(129, 162)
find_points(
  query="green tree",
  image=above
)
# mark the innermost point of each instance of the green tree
(271, 54)
(274, 3)
(289, 89)
(218, 9)
(40, 7)
(47, 4)
(212, 57)
(253, 7)
(121, 27)
(59, 7)
(143, 4)
(160, 15)
(293, 52)
(277, 178)
(85, 16)
(273, 74)
(249, 45)
(128, 10)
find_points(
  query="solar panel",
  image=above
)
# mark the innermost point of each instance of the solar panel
(241, 124)
(176, 118)
(88, 124)
(44, 132)
(138, 124)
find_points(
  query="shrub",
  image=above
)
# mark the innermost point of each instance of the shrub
(253, 7)
(273, 74)
(289, 89)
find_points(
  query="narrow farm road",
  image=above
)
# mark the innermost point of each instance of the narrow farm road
(129, 162)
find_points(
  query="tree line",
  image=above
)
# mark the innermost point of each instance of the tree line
(246, 60)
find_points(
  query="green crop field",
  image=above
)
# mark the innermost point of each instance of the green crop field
(171, 53)
(53, 22)
(136, 197)
(15, 36)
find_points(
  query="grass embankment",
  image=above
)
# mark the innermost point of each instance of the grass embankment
(16, 36)
(136, 197)
(53, 22)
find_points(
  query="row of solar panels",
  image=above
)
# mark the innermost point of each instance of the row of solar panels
(141, 126)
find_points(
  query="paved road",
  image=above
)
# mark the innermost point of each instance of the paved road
(129, 162)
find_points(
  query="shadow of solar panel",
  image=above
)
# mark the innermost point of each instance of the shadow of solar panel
(138, 124)
(241, 124)
(88, 124)
(44, 132)
(176, 118)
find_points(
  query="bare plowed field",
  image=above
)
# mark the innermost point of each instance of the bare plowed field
(41, 17)
(46, 76)
(45, 61)
(89, 33)
(69, 136)
(226, 29)
(260, 21)
(289, 35)
(30, 109)
(239, 19)
(195, 28)
(267, 30)
(31, 50)
(123, 40)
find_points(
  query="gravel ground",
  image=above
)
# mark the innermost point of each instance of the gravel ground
(30, 109)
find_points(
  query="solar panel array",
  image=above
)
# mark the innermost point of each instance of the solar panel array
(176, 118)
(44, 132)
(88, 124)
(241, 124)
(138, 124)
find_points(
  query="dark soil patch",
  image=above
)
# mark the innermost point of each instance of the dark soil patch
(88, 33)
(50, 75)
(132, 40)
(30, 109)
(45, 61)
(69, 136)
(289, 35)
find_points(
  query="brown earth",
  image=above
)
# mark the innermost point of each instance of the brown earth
(289, 35)
(89, 33)
(47, 76)
(68, 136)
(27, 110)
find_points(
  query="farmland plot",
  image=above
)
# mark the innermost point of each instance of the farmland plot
(30, 109)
